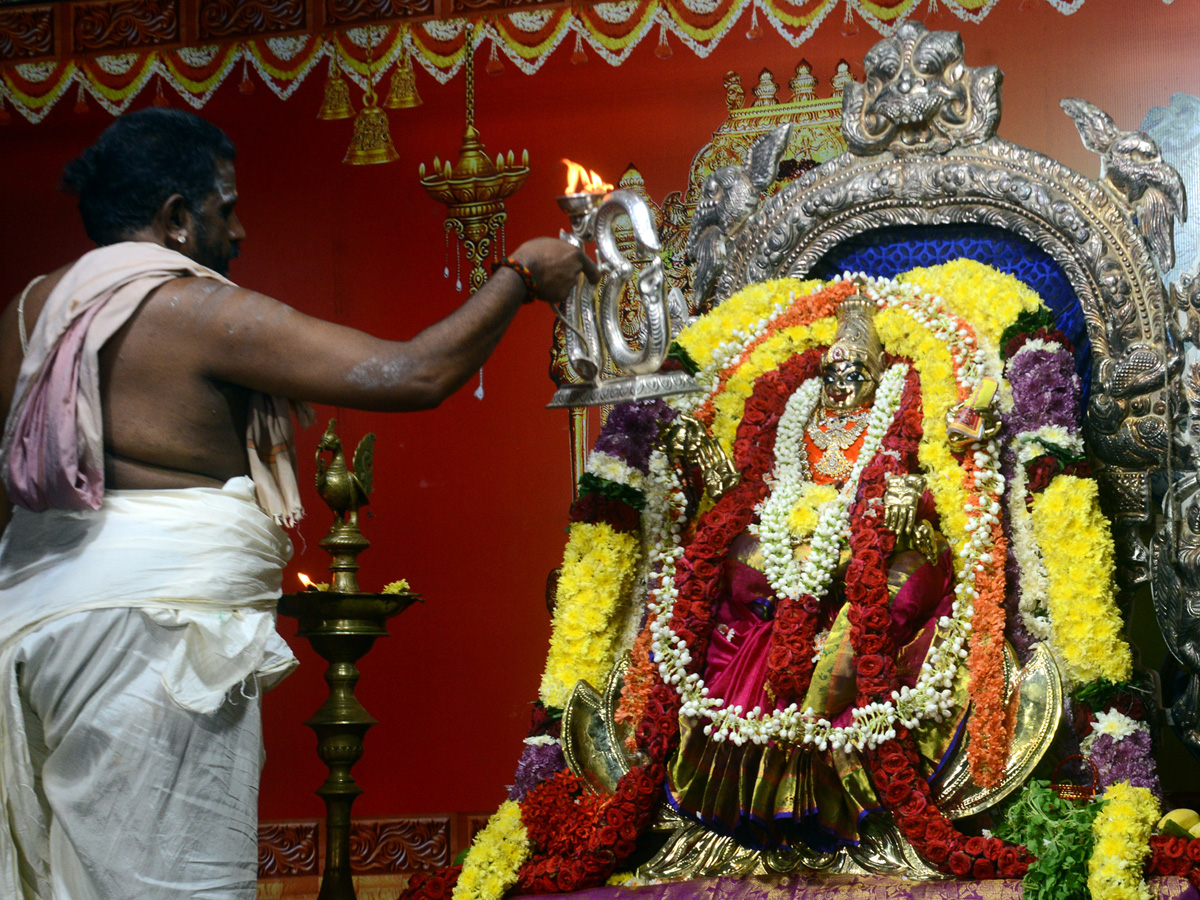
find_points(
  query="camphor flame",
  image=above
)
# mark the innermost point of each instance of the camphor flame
(581, 181)
(305, 581)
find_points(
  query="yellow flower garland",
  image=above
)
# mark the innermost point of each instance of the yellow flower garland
(903, 336)
(1076, 543)
(749, 305)
(802, 520)
(987, 298)
(598, 568)
(496, 856)
(1122, 831)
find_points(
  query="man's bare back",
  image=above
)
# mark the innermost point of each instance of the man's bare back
(166, 424)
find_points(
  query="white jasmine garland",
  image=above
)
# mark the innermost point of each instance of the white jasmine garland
(932, 698)
(788, 577)
(1034, 584)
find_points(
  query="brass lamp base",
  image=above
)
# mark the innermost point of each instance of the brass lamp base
(342, 627)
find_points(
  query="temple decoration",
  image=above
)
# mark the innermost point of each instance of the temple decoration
(474, 191)
(41, 55)
(335, 101)
(847, 596)
(403, 92)
(372, 140)
(342, 623)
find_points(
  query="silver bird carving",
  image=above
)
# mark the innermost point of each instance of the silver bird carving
(728, 197)
(1131, 164)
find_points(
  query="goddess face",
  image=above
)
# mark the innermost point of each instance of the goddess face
(847, 386)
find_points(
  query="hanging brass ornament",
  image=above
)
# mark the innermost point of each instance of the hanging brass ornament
(336, 102)
(403, 93)
(474, 189)
(372, 141)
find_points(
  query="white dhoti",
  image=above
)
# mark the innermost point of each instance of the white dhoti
(134, 641)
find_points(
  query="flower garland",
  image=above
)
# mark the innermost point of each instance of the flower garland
(796, 585)
(1122, 832)
(582, 836)
(714, 331)
(967, 497)
(972, 290)
(1078, 552)
(495, 856)
(1175, 856)
(597, 577)
(981, 586)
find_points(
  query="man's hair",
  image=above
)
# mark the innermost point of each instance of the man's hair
(137, 163)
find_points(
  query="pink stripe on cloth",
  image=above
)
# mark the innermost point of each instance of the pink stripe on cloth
(46, 466)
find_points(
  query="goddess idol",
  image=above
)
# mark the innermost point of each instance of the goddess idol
(794, 583)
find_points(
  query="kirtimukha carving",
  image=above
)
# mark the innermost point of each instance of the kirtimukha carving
(919, 96)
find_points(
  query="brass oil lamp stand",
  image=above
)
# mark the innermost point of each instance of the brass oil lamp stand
(342, 624)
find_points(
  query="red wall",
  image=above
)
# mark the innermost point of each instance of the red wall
(471, 499)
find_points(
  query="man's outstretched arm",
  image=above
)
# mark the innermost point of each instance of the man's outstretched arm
(251, 340)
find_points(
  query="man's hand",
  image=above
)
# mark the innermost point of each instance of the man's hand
(555, 266)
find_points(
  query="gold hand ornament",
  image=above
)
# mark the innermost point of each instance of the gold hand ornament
(900, 501)
(687, 441)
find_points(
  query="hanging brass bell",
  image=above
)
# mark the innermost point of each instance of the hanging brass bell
(336, 102)
(372, 140)
(403, 92)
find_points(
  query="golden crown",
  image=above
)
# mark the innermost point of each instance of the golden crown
(856, 339)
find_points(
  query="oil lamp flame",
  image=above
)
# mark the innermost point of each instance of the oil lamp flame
(305, 581)
(582, 181)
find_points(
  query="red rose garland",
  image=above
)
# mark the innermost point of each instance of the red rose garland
(894, 763)
(435, 885)
(580, 837)
(702, 564)
(1175, 856)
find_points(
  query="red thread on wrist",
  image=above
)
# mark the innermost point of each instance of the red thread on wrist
(522, 270)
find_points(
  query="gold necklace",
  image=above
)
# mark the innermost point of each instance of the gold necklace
(839, 435)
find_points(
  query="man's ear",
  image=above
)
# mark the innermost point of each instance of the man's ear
(174, 222)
